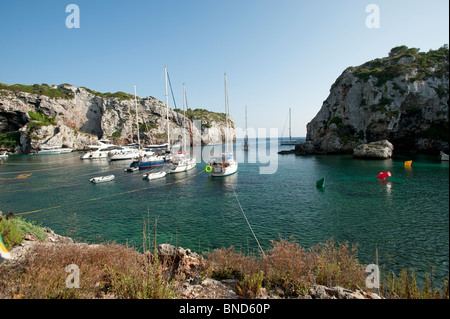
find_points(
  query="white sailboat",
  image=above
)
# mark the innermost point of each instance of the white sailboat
(182, 161)
(155, 160)
(130, 151)
(246, 146)
(290, 141)
(225, 164)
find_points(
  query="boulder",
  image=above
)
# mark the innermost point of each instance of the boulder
(376, 150)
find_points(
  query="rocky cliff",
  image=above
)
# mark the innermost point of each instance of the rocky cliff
(75, 117)
(402, 98)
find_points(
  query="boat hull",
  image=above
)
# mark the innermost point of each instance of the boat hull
(157, 175)
(224, 171)
(102, 179)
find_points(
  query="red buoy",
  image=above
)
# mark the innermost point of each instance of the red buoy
(384, 175)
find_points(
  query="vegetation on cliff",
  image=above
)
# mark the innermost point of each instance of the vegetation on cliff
(39, 89)
(402, 61)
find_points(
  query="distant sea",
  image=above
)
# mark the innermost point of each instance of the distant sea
(406, 216)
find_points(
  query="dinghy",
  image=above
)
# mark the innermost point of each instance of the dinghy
(384, 175)
(408, 163)
(150, 176)
(102, 179)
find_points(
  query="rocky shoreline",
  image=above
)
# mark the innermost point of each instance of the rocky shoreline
(185, 264)
(373, 150)
(75, 117)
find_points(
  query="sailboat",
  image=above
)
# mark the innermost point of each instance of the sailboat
(182, 162)
(151, 161)
(225, 164)
(131, 151)
(290, 141)
(246, 145)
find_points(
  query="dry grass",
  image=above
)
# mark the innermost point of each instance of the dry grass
(290, 268)
(106, 271)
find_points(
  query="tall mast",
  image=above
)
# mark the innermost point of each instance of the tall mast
(226, 114)
(184, 120)
(167, 105)
(246, 129)
(137, 121)
(289, 124)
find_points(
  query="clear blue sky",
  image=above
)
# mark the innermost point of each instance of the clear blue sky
(277, 54)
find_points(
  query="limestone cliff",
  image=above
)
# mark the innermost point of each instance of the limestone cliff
(75, 117)
(402, 98)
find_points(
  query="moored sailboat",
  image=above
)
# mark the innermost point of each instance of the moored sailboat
(226, 164)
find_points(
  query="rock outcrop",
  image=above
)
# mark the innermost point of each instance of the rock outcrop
(402, 98)
(75, 117)
(376, 150)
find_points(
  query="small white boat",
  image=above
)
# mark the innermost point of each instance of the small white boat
(156, 175)
(53, 150)
(102, 179)
(131, 169)
(444, 157)
(4, 155)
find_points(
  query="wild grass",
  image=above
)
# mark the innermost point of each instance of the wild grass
(117, 271)
(289, 268)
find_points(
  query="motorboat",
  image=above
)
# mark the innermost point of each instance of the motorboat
(99, 151)
(44, 149)
(444, 157)
(151, 161)
(123, 153)
(4, 155)
(102, 179)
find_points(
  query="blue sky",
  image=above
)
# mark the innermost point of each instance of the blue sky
(277, 54)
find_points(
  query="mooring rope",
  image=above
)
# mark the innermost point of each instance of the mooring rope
(248, 223)
(108, 196)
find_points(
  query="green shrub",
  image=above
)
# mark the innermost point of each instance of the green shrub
(10, 139)
(13, 229)
(43, 89)
(41, 117)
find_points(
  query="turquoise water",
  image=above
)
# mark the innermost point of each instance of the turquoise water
(407, 216)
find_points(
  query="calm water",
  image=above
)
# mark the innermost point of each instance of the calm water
(406, 216)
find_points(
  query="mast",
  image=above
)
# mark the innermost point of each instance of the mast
(167, 105)
(137, 121)
(226, 114)
(289, 124)
(184, 120)
(246, 129)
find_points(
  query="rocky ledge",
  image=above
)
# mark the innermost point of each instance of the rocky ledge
(186, 265)
(374, 150)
